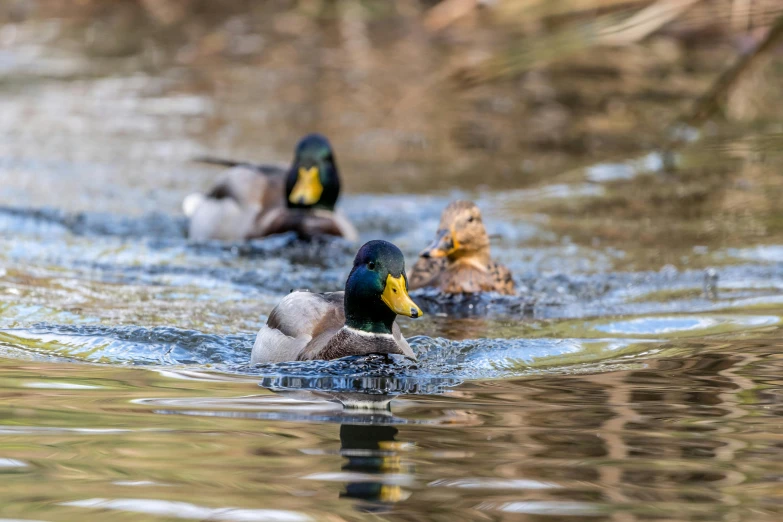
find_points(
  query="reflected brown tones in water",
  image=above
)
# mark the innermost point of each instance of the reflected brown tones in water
(687, 438)
(102, 103)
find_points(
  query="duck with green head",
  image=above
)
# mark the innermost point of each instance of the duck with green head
(256, 200)
(361, 320)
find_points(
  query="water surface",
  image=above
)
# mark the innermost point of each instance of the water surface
(636, 376)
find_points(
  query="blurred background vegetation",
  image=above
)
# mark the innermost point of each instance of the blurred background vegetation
(417, 96)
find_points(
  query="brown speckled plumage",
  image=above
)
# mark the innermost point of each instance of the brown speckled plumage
(345, 342)
(465, 264)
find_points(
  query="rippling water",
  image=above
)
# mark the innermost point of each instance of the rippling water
(635, 377)
(593, 395)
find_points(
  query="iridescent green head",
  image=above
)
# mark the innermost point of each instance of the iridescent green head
(377, 289)
(313, 181)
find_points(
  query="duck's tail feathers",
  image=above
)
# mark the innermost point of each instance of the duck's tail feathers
(261, 168)
(191, 203)
(221, 162)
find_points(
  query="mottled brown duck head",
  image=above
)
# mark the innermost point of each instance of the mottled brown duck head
(461, 234)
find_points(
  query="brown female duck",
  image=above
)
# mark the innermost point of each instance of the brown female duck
(458, 261)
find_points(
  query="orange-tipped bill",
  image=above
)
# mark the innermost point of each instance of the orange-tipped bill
(444, 245)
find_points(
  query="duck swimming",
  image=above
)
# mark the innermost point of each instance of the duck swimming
(458, 261)
(252, 201)
(361, 320)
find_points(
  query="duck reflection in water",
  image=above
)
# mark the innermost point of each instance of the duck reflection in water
(371, 450)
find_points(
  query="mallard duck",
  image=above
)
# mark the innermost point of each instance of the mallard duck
(358, 321)
(458, 261)
(251, 201)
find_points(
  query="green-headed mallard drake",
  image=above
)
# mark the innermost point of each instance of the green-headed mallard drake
(458, 261)
(358, 321)
(252, 201)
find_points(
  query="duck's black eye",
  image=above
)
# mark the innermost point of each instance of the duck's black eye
(471, 219)
(371, 265)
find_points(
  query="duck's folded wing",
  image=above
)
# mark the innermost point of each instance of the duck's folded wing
(300, 321)
(426, 271)
(303, 312)
(272, 346)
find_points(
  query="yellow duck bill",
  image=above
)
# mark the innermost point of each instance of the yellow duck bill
(444, 245)
(308, 188)
(396, 297)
